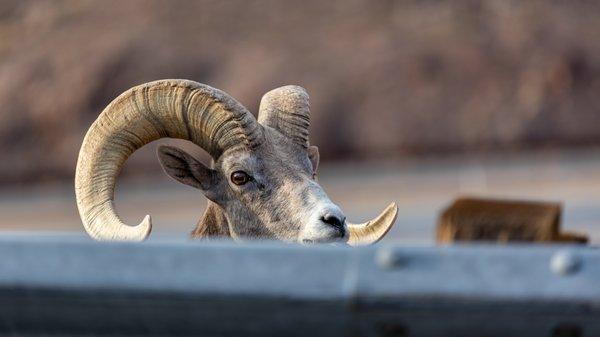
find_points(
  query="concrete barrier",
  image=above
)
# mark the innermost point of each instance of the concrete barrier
(73, 286)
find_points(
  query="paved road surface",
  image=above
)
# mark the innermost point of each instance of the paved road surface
(420, 187)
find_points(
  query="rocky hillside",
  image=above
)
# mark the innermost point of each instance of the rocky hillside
(386, 78)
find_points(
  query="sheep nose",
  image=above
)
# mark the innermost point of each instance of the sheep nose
(336, 221)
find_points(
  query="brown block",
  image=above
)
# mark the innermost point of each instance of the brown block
(474, 219)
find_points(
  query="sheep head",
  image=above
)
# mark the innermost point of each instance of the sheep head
(263, 174)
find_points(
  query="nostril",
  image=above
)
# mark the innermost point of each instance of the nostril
(334, 221)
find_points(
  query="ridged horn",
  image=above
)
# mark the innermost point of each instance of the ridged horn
(183, 109)
(372, 231)
(286, 109)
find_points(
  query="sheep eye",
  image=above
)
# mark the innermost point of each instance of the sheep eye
(240, 177)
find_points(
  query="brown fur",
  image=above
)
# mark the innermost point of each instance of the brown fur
(213, 224)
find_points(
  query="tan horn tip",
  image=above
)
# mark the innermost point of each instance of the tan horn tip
(147, 224)
(125, 233)
(144, 229)
(374, 230)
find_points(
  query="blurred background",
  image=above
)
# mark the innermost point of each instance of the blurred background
(416, 102)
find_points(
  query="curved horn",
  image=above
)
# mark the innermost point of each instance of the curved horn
(286, 109)
(372, 231)
(181, 109)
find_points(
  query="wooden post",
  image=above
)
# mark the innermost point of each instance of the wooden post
(475, 219)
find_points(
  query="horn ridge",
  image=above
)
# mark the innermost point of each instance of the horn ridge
(287, 110)
(183, 109)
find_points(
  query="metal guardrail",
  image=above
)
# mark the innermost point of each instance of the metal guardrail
(71, 286)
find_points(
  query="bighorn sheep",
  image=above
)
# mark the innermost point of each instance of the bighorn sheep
(262, 181)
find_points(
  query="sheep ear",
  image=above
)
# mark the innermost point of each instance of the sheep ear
(313, 155)
(186, 169)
